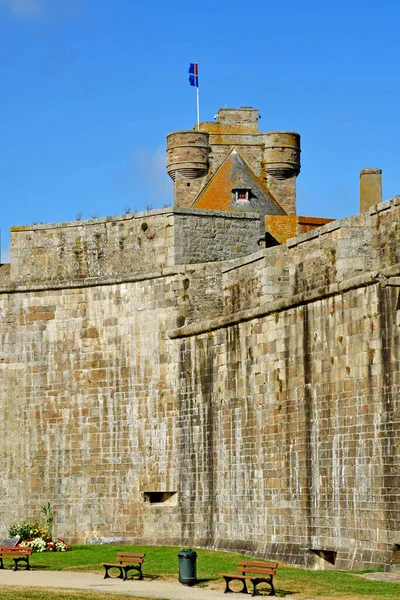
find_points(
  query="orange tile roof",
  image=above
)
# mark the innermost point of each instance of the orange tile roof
(234, 173)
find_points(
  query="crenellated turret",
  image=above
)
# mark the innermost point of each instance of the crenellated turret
(194, 156)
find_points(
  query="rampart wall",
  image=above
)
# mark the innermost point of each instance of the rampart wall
(128, 245)
(248, 404)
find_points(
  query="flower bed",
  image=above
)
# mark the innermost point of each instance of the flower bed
(37, 538)
(39, 544)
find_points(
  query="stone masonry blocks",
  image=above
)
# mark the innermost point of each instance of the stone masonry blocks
(258, 390)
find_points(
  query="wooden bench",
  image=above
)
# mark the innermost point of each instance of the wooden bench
(256, 572)
(125, 562)
(17, 553)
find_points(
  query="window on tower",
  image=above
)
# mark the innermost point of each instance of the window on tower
(241, 195)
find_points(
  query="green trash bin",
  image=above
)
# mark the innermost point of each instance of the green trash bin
(187, 566)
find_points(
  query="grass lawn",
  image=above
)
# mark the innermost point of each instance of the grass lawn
(21, 593)
(162, 562)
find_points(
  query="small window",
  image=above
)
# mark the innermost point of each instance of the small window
(242, 196)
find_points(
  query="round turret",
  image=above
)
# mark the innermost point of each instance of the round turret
(187, 154)
(282, 154)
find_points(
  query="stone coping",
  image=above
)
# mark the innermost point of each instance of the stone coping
(381, 277)
(173, 210)
(85, 283)
(35, 286)
(343, 222)
(314, 233)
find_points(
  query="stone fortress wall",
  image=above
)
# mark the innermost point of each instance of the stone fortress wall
(164, 380)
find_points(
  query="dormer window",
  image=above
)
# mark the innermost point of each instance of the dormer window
(242, 195)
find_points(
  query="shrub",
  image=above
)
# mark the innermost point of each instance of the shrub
(25, 530)
(37, 537)
(48, 515)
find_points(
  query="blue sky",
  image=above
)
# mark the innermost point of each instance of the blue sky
(91, 88)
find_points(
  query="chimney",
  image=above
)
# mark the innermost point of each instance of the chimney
(370, 188)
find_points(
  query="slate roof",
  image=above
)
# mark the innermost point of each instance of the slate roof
(234, 173)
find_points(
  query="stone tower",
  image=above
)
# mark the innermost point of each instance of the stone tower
(194, 157)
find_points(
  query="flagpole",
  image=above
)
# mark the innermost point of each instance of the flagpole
(198, 111)
(197, 95)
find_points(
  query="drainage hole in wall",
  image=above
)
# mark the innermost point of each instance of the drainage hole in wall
(396, 554)
(169, 498)
(328, 555)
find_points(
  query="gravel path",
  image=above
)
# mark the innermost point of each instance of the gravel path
(96, 583)
(148, 589)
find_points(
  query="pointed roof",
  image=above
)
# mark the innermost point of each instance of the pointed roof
(235, 174)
